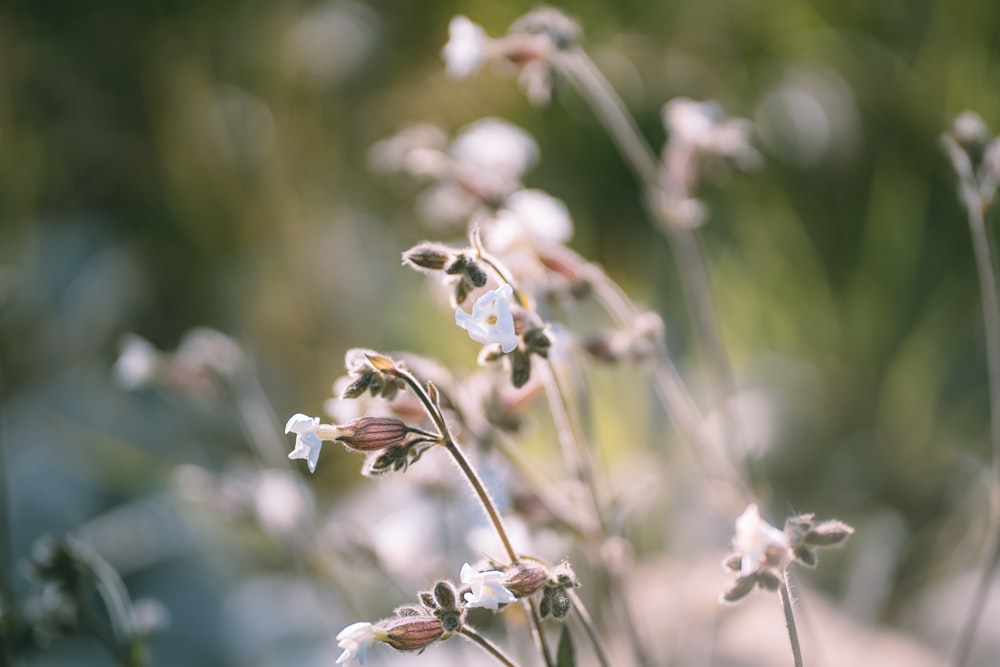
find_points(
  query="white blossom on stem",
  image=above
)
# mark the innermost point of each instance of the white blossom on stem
(355, 639)
(467, 47)
(488, 590)
(755, 538)
(491, 320)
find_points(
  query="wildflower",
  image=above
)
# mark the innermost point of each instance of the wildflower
(355, 640)
(492, 145)
(703, 126)
(138, 364)
(491, 320)
(530, 217)
(467, 47)
(757, 541)
(308, 441)
(487, 591)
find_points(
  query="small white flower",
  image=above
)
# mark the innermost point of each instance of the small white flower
(493, 145)
(307, 438)
(138, 363)
(754, 537)
(491, 320)
(704, 126)
(466, 49)
(487, 591)
(530, 217)
(355, 640)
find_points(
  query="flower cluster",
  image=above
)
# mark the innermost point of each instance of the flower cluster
(763, 552)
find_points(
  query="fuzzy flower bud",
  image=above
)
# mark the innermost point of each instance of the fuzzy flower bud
(525, 579)
(368, 434)
(413, 633)
(429, 256)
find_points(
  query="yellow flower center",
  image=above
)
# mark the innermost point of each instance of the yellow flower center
(491, 319)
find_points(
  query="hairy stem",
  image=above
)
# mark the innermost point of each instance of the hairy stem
(986, 268)
(487, 646)
(448, 441)
(793, 633)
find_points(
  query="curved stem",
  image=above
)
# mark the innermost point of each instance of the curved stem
(986, 269)
(484, 498)
(487, 646)
(448, 442)
(793, 633)
(575, 65)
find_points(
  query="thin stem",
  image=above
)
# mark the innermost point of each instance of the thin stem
(589, 628)
(538, 631)
(986, 268)
(793, 633)
(575, 65)
(576, 453)
(448, 441)
(487, 646)
(484, 498)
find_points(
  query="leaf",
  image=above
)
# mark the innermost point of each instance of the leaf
(565, 654)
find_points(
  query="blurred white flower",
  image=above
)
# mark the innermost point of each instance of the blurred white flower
(137, 364)
(530, 217)
(280, 502)
(308, 441)
(754, 538)
(494, 145)
(207, 350)
(487, 591)
(355, 640)
(467, 47)
(418, 150)
(491, 320)
(703, 126)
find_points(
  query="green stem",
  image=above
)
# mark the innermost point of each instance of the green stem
(786, 604)
(986, 268)
(487, 646)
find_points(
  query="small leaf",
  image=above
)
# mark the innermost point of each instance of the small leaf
(565, 654)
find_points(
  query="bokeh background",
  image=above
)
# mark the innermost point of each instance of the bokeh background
(172, 165)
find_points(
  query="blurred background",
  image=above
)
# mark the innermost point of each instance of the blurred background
(175, 165)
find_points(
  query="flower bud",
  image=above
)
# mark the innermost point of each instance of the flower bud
(828, 533)
(368, 434)
(430, 256)
(739, 589)
(413, 633)
(523, 579)
(445, 595)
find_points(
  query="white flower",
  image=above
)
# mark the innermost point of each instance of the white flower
(307, 438)
(355, 640)
(754, 537)
(530, 217)
(493, 145)
(466, 49)
(487, 588)
(491, 320)
(138, 363)
(704, 126)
